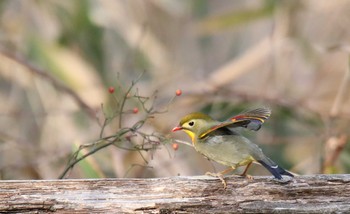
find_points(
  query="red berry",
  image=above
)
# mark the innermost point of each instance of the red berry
(135, 110)
(111, 90)
(175, 146)
(178, 92)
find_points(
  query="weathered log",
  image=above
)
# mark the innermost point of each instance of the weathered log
(199, 194)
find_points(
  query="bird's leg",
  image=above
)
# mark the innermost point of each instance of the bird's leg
(244, 174)
(220, 175)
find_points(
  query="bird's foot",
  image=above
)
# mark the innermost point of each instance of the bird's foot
(218, 175)
(249, 177)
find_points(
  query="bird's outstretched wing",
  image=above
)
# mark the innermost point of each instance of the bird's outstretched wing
(252, 120)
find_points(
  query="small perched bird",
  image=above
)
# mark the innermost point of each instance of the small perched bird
(219, 141)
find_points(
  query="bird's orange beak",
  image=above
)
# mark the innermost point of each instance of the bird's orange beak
(177, 128)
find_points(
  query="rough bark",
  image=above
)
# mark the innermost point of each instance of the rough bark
(200, 194)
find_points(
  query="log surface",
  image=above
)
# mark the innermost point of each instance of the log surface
(199, 194)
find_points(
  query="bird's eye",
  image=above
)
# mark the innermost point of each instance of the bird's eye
(191, 123)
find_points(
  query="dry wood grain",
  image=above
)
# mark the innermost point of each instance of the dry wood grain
(199, 194)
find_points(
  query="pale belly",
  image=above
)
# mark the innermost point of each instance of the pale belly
(229, 150)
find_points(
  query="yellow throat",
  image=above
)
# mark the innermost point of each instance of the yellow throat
(191, 134)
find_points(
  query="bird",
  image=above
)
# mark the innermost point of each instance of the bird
(220, 141)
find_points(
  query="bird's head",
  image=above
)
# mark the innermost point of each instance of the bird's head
(194, 124)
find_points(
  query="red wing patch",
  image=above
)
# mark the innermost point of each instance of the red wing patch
(252, 119)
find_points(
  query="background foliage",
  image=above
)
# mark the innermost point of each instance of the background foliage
(59, 57)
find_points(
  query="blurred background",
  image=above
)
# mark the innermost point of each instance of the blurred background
(59, 58)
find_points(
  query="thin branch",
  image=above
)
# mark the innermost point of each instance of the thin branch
(183, 142)
(77, 160)
(133, 166)
(20, 59)
(248, 97)
(125, 97)
(149, 141)
(103, 127)
(333, 148)
(341, 93)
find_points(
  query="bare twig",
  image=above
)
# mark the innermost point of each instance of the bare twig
(237, 67)
(125, 97)
(109, 140)
(333, 147)
(133, 166)
(252, 97)
(341, 93)
(45, 75)
(105, 122)
(183, 142)
(149, 141)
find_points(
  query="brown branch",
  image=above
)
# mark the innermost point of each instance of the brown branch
(342, 91)
(237, 67)
(333, 147)
(192, 99)
(201, 194)
(45, 75)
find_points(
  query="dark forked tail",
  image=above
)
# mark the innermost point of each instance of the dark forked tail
(275, 170)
